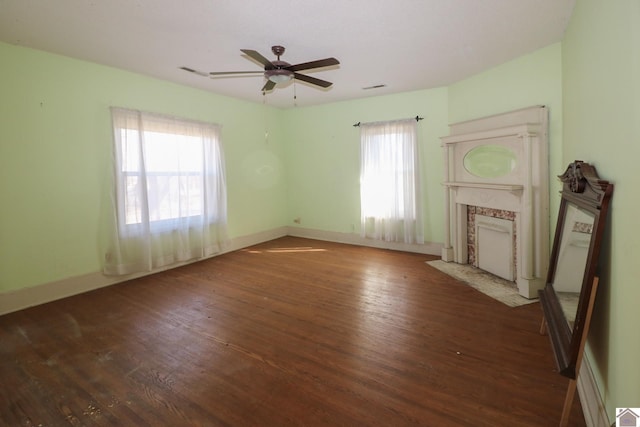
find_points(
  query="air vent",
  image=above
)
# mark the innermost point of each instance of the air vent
(374, 87)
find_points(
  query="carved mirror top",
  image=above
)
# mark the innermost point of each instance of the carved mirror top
(581, 177)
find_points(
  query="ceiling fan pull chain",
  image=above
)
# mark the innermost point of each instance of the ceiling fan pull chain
(265, 116)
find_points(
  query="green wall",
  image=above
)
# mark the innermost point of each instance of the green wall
(601, 93)
(55, 142)
(57, 121)
(323, 158)
(533, 79)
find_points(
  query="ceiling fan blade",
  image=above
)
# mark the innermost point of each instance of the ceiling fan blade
(313, 64)
(191, 70)
(257, 57)
(312, 80)
(268, 86)
(222, 73)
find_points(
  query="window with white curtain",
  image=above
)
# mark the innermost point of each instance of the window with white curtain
(390, 195)
(170, 191)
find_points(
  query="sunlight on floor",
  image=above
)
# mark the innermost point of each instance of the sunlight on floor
(285, 250)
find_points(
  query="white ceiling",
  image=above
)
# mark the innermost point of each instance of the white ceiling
(405, 44)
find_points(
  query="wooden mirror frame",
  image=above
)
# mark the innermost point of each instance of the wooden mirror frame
(583, 188)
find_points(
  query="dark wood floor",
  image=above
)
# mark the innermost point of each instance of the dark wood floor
(292, 332)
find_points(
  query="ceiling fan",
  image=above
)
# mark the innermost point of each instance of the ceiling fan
(276, 71)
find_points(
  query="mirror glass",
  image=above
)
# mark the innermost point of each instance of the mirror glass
(490, 161)
(572, 258)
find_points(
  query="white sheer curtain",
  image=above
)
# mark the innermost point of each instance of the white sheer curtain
(169, 201)
(390, 195)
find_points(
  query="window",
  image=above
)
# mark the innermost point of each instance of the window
(170, 188)
(173, 175)
(390, 182)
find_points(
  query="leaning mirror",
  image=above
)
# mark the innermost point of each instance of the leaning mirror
(566, 297)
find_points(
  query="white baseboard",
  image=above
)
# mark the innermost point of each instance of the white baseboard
(595, 414)
(356, 239)
(253, 239)
(40, 294)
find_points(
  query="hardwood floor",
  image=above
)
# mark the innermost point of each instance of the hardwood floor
(292, 332)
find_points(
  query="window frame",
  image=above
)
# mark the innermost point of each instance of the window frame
(147, 127)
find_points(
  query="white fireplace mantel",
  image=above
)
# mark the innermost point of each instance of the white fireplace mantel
(523, 190)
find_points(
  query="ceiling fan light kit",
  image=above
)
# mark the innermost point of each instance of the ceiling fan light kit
(279, 75)
(277, 72)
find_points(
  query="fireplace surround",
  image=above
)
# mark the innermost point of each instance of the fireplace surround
(501, 163)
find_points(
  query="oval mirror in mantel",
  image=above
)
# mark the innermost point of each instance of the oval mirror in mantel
(490, 161)
(567, 298)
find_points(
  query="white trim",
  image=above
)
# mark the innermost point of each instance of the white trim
(500, 120)
(19, 299)
(40, 294)
(242, 242)
(356, 239)
(595, 414)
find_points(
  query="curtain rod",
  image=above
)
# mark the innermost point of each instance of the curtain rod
(416, 118)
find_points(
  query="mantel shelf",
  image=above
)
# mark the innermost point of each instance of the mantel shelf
(487, 186)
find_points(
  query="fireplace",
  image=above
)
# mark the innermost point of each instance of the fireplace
(496, 171)
(491, 241)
